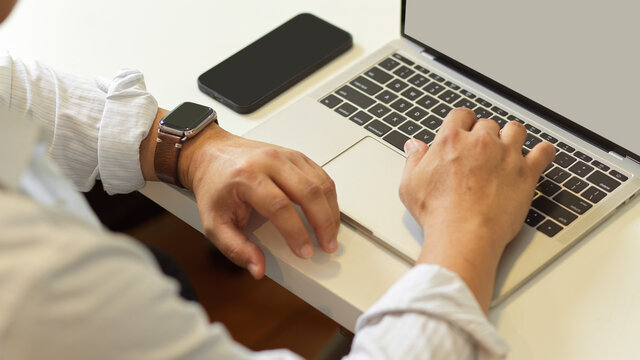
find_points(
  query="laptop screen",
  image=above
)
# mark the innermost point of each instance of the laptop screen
(580, 59)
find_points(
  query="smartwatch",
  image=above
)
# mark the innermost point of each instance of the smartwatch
(181, 124)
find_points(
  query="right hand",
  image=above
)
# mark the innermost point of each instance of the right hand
(470, 192)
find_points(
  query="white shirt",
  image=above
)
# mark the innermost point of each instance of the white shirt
(70, 289)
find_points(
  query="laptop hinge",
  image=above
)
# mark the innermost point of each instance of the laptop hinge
(634, 160)
(427, 55)
(616, 155)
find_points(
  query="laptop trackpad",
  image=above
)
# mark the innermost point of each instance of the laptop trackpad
(367, 178)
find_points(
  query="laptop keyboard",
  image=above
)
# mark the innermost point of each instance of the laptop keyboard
(398, 99)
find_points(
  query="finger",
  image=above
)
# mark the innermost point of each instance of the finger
(235, 245)
(271, 202)
(514, 134)
(460, 118)
(308, 193)
(415, 150)
(328, 186)
(541, 156)
(487, 125)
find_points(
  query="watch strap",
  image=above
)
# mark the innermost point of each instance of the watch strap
(165, 162)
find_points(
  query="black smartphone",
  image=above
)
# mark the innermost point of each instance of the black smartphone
(275, 62)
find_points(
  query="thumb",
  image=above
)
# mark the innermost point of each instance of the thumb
(415, 150)
(235, 245)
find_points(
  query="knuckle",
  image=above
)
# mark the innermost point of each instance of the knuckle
(271, 153)
(448, 136)
(313, 191)
(483, 139)
(234, 253)
(279, 204)
(462, 111)
(243, 171)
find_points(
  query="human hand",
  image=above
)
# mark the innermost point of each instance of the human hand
(470, 192)
(231, 175)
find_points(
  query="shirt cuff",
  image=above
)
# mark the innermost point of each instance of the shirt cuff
(437, 292)
(128, 115)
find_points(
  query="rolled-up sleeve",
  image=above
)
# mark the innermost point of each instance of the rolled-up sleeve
(94, 126)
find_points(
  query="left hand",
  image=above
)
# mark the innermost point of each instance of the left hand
(231, 175)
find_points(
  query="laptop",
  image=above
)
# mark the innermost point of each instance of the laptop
(567, 70)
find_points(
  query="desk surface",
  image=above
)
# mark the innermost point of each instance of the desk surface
(585, 306)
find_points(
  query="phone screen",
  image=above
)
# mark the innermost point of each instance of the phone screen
(275, 62)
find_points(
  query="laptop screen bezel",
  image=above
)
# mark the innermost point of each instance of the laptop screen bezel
(518, 98)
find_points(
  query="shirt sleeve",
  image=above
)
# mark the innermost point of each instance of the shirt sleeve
(93, 126)
(428, 314)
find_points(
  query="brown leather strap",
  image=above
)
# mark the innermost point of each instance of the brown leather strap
(166, 158)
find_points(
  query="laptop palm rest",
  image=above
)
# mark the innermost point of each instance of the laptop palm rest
(367, 178)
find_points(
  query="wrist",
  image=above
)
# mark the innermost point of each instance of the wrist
(195, 150)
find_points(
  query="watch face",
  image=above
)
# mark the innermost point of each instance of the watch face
(187, 116)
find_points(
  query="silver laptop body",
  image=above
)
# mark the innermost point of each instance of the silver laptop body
(367, 167)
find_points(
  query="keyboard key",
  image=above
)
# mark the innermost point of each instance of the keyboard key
(396, 139)
(464, 102)
(436, 77)
(553, 210)
(378, 75)
(417, 113)
(563, 159)
(386, 96)
(581, 169)
(618, 175)
(366, 86)
(426, 136)
(403, 59)
(421, 69)
(482, 113)
(449, 96)
(379, 110)
(409, 127)
(467, 93)
(533, 218)
(378, 127)
(401, 105)
(600, 165)
(432, 122)
(389, 64)
(548, 188)
(427, 101)
(361, 118)
(514, 118)
(499, 111)
(603, 181)
(346, 109)
(412, 93)
(418, 80)
(394, 119)
(558, 175)
(572, 202)
(397, 85)
(531, 141)
(502, 122)
(433, 88)
(593, 194)
(532, 129)
(441, 110)
(355, 96)
(548, 138)
(404, 72)
(331, 101)
(576, 185)
(549, 228)
(484, 102)
(565, 147)
(451, 85)
(582, 156)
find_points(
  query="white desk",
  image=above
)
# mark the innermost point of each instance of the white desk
(585, 306)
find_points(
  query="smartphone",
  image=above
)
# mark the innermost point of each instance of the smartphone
(275, 62)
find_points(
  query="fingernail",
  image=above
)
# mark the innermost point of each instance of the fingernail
(306, 251)
(410, 146)
(333, 245)
(253, 269)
